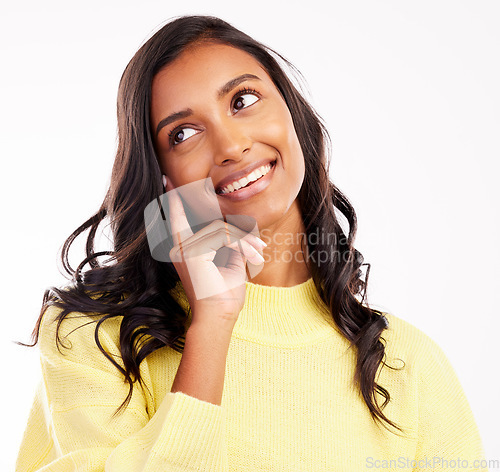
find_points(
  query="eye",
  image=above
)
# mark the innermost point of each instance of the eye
(245, 99)
(179, 135)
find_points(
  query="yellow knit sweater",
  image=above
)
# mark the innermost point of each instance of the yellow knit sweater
(288, 404)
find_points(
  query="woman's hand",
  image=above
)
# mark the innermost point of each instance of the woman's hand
(214, 293)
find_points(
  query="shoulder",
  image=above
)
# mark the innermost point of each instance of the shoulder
(417, 349)
(77, 322)
(445, 422)
(75, 338)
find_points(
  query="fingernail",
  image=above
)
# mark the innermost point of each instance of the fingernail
(260, 242)
(260, 258)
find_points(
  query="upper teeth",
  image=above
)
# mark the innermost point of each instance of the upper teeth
(253, 176)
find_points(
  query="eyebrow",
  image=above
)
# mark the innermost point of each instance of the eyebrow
(224, 90)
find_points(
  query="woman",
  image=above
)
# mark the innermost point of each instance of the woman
(283, 368)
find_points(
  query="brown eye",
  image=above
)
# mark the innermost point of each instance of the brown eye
(244, 101)
(180, 135)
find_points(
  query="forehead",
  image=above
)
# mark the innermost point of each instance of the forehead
(202, 69)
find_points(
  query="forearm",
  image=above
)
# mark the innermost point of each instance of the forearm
(203, 363)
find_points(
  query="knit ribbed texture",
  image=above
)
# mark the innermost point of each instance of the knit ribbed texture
(289, 402)
(284, 316)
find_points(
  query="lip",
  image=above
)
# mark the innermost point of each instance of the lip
(241, 173)
(254, 188)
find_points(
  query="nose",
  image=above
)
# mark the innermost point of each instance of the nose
(230, 140)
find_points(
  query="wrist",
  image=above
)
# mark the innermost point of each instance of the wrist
(212, 326)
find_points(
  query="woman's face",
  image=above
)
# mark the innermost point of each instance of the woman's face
(225, 116)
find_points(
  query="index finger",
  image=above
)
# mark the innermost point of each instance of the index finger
(178, 220)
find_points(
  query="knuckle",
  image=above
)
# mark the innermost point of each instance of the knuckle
(216, 224)
(229, 234)
(174, 254)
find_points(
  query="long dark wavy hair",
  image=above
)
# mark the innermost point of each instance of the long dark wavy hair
(132, 285)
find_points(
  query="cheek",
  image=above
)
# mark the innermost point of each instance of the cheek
(181, 173)
(277, 130)
(277, 127)
(273, 129)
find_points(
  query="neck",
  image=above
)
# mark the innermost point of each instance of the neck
(285, 263)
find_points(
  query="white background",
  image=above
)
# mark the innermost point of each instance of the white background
(410, 94)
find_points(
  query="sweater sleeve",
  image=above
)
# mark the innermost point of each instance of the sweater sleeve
(448, 436)
(70, 426)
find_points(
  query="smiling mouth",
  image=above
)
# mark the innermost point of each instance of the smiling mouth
(249, 184)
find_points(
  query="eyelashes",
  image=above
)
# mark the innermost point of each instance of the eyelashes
(180, 130)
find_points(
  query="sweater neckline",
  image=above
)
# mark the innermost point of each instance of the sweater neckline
(283, 316)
